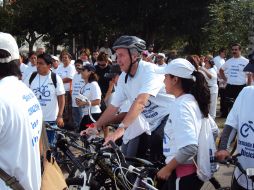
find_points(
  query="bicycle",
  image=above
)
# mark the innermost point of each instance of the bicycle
(213, 184)
(107, 169)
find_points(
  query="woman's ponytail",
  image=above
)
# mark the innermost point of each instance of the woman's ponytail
(201, 92)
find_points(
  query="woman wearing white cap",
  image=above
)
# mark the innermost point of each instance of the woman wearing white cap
(180, 143)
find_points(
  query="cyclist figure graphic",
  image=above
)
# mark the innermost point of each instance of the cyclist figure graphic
(42, 91)
(246, 129)
(240, 119)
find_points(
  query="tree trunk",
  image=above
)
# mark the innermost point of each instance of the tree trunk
(31, 45)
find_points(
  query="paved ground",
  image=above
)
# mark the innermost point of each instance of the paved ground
(224, 176)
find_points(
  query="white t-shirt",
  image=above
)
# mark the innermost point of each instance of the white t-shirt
(54, 70)
(77, 83)
(241, 118)
(234, 68)
(46, 93)
(93, 92)
(212, 83)
(218, 61)
(66, 72)
(183, 125)
(144, 81)
(137, 127)
(20, 130)
(28, 71)
(23, 68)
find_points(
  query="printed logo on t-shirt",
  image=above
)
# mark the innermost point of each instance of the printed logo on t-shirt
(245, 140)
(34, 124)
(149, 110)
(43, 94)
(246, 129)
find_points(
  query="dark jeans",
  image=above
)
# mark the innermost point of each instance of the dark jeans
(154, 143)
(51, 133)
(130, 149)
(76, 116)
(189, 182)
(67, 114)
(223, 106)
(231, 91)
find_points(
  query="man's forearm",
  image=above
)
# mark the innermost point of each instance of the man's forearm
(107, 116)
(136, 108)
(225, 137)
(118, 118)
(61, 103)
(222, 74)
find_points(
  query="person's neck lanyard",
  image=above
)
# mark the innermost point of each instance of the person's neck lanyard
(81, 91)
(40, 86)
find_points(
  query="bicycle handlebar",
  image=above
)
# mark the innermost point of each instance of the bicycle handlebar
(233, 160)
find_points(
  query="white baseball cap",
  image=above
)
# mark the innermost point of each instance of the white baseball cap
(161, 55)
(178, 67)
(9, 44)
(55, 58)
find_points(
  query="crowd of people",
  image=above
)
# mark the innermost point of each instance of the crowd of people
(158, 101)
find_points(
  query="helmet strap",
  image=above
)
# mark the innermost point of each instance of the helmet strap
(129, 70)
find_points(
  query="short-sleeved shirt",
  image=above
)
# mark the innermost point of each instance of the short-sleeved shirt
(28, 72)
(212, 82)
(23, 68)
(66, 72)
(234, 69)
(20, 130)
(241, 118)
(46, 93)
(144, 81)
(183, 125)
(92, 91)
(218, 61)
(77, 83)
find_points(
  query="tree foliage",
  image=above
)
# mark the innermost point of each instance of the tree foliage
(191, 26)
(229, 22)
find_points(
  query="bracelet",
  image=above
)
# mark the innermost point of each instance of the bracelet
(59, 116)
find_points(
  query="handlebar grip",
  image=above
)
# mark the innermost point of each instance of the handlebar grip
(113, 145)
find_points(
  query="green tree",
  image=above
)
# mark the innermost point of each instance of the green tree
(229, 23)
(168, 24)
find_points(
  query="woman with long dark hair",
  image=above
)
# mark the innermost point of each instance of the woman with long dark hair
(180, 143)
(92, 92)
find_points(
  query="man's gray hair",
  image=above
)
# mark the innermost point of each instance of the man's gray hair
(134, 51)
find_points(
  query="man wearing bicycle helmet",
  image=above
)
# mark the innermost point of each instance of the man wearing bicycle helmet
(241, 120)
(145, 90)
